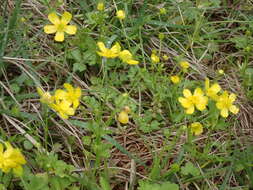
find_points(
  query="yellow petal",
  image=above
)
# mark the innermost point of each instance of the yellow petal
(201, 104)
(234, 109)
(54, 18)
(60, 94)
(198, 92)
(59, 37)
(132, 62)
(219, 105)
(76, 103)
(190, 110)
(78, 92)
(224, 112)
(66, 17)
(215, 88)
(50, 29)
(125, 55)
(68, 87)
(71, 29)
(1, 149)
(185, 102)
(232, 97)
(71, 111)
(116, 48)
(63, 115)
(187, 93)
(101, 46)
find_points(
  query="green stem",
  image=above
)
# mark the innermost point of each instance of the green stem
(24, 183)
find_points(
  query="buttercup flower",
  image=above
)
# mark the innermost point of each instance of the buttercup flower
(175, 79)
(225, 104)
(165, 58)
(63, 102)
(123, 115)
(190, 101)
(120, 14)
(60, 26)
(127, 57)
(184, 65)
(163, 11)
(100, 6)
(11, 159)
(109, 53)
(220, 71)
(196, 128)
(155, 58)
(213, 90)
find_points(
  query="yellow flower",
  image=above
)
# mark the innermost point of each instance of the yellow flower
(165, 58)
(11, 159)
(123, 117)
(127, 57)
(184, 65)
(225, 104)
(213, 90)
(190, 101)
(60, 26)
(45, 97)
(22, 19)
(196, 128)
(163, 11)
(220, 71)
(155, 58)
(109, 53)
(64, 109)
(175, 79)
(64, 102)
(120, 14)
(100, 6)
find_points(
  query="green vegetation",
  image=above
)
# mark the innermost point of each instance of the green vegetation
(115, 95)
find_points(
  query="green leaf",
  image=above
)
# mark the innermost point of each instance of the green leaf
(240, 41)
(76, 54)
(28, 145)
(189, 168)
(15, 87)
(104, 184)
(79, 67)
(144, 185)
(156, 168)
(86, 140)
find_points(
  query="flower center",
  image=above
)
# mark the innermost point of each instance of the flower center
(61, 27)
(194, 99)
(227, 103)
